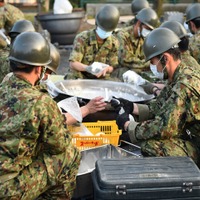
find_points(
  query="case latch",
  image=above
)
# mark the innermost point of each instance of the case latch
(121, 189)
(187, 187)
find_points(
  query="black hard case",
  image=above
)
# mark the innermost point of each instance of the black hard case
(156, 178)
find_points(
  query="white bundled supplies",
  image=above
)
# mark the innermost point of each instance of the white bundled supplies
(133, 78)
(96, 68)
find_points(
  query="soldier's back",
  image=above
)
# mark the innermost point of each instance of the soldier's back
(10, 15)
(194, 46)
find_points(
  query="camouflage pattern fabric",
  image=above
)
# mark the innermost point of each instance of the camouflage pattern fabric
(170, 147)
(131, 56)
(3, 43)
(9, 14)
(188, 60)
(173, 116)
(2, 18)
(86, 50)
(4, 63)
(194, 46)
(37, 158)
(129, 22)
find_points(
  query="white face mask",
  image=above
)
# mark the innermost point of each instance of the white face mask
(145, 32)
(103, 34)
(159, 75)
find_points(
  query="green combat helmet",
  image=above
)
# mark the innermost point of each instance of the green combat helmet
(176, 27)
(192, 12)
(148, 17)
(138, 5)
(55, 58)
(159, 41)
(21, 26)
(107, 18)
(30, 48)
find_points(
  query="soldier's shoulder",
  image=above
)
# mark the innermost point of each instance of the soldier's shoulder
(189, 75)
(115, 40)
(85, 34)
(13, 9)
(10, 7)
(125, 31)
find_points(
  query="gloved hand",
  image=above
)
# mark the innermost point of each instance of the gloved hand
(149, 87)
(122, 119)
(118, 103)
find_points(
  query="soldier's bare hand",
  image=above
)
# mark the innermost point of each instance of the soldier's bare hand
(96, 104)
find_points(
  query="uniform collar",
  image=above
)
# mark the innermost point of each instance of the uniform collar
(107, 43)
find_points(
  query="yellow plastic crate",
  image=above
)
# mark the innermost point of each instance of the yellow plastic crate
(110, 134)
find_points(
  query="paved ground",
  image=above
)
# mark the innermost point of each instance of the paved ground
(64, 63)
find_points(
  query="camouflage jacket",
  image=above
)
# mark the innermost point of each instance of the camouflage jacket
(86, 50)
(129, 22)
(194, 46)
(130, 51)
(174, 110)
(4, 63)
(9, 14)
(32, 128)
(188, 60)
(3, 43)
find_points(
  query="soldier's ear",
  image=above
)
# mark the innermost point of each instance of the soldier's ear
(166, 57)
(38, 69)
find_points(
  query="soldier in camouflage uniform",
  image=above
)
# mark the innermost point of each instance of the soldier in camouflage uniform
(98, 45)
(193, 21)
(180, 30)
(186, 58)
(136, 6)
(131, 39)
(37, 158)
(19, 26)
(9, 14)
(168, 126)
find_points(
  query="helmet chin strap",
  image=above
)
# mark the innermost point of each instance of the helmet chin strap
(41, 76)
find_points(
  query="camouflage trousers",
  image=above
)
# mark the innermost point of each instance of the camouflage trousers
(170, 147)
(33, 184)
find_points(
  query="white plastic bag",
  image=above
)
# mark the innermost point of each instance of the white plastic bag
(96, 67)
(51, 88)
(72, 107)
(83, 131)
(62, 7)
(133, 78)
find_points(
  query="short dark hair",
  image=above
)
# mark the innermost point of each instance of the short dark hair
(175, 52)
(20, 67)
(196, 21)
(184, 43)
